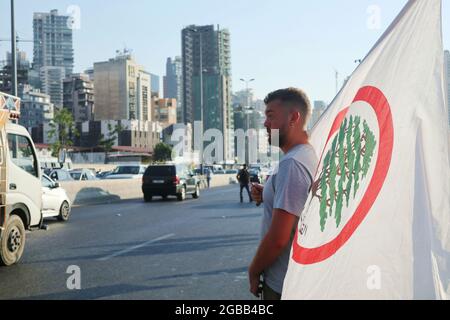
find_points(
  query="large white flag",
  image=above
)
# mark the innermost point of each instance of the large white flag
(377, 224)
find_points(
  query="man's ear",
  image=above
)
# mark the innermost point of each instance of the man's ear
(295, 117)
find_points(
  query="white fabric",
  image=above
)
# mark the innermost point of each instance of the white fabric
(401, 248)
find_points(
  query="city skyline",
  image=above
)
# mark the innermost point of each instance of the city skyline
(308, 30)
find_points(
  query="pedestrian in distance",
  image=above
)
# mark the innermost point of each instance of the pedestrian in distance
(243, 177)
(208, 176)
(285, 192)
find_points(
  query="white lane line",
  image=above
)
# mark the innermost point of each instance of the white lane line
(136, 247)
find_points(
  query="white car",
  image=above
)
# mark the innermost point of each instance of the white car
(127, 172)
(55, 202)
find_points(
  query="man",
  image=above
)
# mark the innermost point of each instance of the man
(244, 179)
(285, 192)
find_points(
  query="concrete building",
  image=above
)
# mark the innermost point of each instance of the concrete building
(51, 79)
(136, 135)
(122, 90)
(318, 109)
(36, 114)
(79, 97)
(53, 41)
(208, 50)
(23, 69)
(164, 111)
(172, 83)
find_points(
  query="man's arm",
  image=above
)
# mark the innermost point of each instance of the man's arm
(272, 245)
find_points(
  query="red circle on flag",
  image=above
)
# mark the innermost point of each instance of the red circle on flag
(376, 99)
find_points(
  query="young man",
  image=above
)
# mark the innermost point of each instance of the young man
(244, 179)
(285, 192)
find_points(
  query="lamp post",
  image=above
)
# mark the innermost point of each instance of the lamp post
(13, 53)
(247, 113)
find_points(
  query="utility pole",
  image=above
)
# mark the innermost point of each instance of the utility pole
(246, 113)
(13, 53)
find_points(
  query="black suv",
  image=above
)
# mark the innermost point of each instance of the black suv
(169, 180)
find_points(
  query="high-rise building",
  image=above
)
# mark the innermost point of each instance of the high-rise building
(121, 90)
(52, 54)
(79, 96)
(319, 108)
(154, 85)
(207, 81)
(36, 113)
(51, 83)
(52, 41)
(447, 76)
(173, 84)
(23, 68)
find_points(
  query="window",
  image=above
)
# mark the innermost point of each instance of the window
(22, 153)
(46, 182)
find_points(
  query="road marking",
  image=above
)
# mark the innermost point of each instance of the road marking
(135, 247)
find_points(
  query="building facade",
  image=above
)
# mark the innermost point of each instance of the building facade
(173, 84)
(318, 109)
(122, 90)
(78, 97)
(53, 41)
(51, 83)
(36, 113)
(207, 81)
(23, 69)
(164, 111)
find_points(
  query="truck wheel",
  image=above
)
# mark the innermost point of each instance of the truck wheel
(12, 241)
(196, 194)
(64, 212)
(182, 195)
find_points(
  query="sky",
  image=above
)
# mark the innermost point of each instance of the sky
(278, 43)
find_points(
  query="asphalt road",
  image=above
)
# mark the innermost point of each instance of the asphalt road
(196, 249)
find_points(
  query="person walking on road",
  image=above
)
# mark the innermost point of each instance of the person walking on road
(285, 192)
(243, 177)
(208, 176)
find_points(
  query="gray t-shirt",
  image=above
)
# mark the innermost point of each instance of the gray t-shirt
(287, 189)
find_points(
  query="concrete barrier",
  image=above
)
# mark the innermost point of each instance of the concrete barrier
(106, 191)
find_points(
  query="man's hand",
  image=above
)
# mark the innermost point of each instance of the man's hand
(257, 190)
(254, 283)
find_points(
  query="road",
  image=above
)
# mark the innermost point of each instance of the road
(196, 249)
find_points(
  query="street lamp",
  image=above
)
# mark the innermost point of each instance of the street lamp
(248, 110)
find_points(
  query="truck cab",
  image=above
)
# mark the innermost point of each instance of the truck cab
(20, 183)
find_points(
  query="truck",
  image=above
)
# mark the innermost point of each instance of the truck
(20, 183)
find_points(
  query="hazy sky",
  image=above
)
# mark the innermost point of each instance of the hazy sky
(279, 43)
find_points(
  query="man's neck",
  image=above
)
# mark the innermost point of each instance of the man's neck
(295, 141)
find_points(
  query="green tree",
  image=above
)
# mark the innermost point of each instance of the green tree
(344, 165)
(162, 152)
(63, 128)
(108, 142)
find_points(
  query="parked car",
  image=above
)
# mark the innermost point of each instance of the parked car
(170, 180)
(127, 172)
(60, 175)
(82, 174)
(102, 174)
(231, 171)
(55, 202)
(254, 176)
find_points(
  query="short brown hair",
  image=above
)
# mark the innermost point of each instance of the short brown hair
(292, 97)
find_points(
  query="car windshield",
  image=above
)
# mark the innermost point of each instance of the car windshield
(160, 171)
(127, 170)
